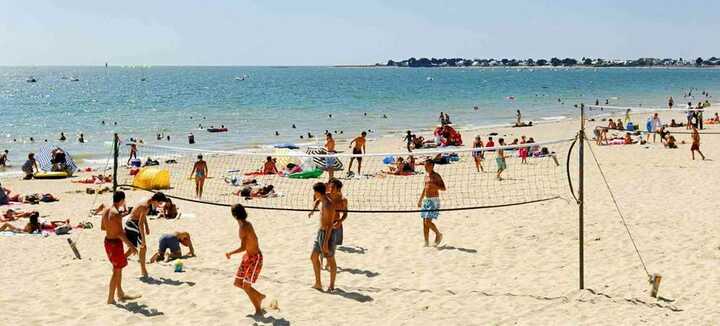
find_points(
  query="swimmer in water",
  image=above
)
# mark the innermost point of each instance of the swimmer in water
(293, 126)
(277, 133)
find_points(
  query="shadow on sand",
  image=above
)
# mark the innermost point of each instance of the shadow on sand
(164, 281)
(465, 250)
(357, 296)
(139, 308)
(269, 320)
(352, 250)
(356, 271)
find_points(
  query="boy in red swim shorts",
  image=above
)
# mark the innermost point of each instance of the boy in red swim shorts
(252, 260)
(114, 239)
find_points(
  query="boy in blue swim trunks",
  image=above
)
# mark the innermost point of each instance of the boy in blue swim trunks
(430, 202)
(325, 240)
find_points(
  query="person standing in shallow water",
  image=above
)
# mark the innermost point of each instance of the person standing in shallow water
(429, 202)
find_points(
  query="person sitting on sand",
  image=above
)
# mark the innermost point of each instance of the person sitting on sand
(30, 167)
(172, 242)
(619, 125)
(611, 124)
(671, 142)
(168, 210)
(269, 166)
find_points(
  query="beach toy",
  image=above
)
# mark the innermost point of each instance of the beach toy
(389, 160)
(178, 266)
(51, 175)
(309, 174)
(152, 179)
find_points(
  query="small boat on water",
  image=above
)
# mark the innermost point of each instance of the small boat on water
(31, 80)
(75, 79)
(223, 129)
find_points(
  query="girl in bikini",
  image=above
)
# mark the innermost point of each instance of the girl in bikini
(200, 171)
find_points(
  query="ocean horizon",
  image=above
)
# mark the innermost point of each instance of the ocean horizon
(254, 102)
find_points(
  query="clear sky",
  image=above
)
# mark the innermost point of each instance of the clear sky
(327, 32)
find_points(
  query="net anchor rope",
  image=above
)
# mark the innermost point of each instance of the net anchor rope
(619, 211)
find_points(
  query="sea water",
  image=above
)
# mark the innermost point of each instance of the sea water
(255, 102)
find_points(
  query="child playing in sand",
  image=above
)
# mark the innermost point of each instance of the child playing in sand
(324, 240)
(430, 202)
(114, 239)
(172, 242)
(252, 260)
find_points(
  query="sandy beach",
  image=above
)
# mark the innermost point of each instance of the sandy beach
(513, 265)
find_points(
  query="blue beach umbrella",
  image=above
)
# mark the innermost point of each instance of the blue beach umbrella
(44, 156)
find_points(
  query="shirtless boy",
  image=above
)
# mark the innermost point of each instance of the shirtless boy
(137, 229)
(695, 144)
(114, 239)
(500, 160)
(340, 204)
(200, 171)
(252, 260)
(330, 161)
(324, 241)
(358, 148)
(430, 202)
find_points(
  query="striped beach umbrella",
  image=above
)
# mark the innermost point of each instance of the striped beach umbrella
(44, 156)
(322, 162)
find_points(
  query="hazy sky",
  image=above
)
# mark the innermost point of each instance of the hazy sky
(274, 32)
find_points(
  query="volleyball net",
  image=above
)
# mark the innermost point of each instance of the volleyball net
(387, 182)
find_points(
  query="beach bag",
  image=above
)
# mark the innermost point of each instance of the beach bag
(65, 229)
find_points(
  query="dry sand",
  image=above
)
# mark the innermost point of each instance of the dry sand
(514, 265)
